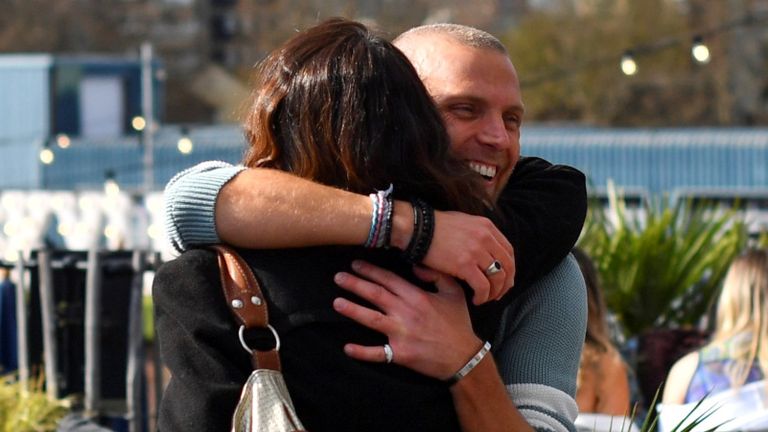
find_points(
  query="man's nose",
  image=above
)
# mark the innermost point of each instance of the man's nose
(493, 132)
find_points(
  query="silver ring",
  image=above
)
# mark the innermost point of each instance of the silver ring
(493, 268)
(249, 349)
(388, 353)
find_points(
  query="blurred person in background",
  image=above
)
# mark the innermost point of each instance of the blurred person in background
(603, 384)
(738, 351)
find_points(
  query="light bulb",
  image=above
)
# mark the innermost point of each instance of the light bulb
(628, 64)
(138, 123)
(185, 145)
(47, 156)
(63, 141)
(699, 51)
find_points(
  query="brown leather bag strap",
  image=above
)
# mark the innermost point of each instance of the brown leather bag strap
(246, 301)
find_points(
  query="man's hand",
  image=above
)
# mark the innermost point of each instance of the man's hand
(430, 333)
(464, 246)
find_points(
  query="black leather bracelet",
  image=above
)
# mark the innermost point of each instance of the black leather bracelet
(423, 231)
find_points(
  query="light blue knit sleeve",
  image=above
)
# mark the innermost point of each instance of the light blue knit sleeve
(190, 200)
(538, 348)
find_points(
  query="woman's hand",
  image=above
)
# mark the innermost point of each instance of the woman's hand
(430, 333)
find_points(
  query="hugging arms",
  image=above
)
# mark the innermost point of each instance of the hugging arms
(474, 87)
(536, 347)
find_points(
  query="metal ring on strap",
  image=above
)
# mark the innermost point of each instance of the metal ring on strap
(249, 349)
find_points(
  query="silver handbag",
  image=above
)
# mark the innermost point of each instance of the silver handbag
(264, 405)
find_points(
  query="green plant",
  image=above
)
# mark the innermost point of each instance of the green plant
(663, 269)
(762, 239)
(148, 318)
(28, 409)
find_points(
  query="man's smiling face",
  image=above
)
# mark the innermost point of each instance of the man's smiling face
(478, 95)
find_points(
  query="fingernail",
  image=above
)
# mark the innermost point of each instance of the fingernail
(357, 265)
(339, 277)
(338, 303)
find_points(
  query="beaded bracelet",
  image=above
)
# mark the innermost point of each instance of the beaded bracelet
(423, 231)
(374, 221)
(471, 364)
(390, 206)
(380, 234)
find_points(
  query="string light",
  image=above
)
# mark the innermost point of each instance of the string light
(46, 156)
(185, 144)
(138, 123)
(700, 51)
(63, 141)
(628, 64)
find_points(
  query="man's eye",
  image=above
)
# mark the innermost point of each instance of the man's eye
(512, 122)
(463, 110)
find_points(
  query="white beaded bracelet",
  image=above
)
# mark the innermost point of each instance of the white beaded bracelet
(474, 361)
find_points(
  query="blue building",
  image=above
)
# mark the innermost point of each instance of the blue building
(647, 162)
(46, 95)
(677, 162)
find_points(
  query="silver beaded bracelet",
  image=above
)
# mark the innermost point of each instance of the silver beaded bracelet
(474, 361)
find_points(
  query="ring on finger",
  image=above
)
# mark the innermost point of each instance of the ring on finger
(389, 355)
(493, 268)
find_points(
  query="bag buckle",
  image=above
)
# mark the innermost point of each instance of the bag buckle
(240, 334)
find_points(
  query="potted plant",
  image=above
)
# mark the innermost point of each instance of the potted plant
(661, 269)
(28, 409)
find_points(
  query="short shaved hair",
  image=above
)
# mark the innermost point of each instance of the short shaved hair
(465, 35)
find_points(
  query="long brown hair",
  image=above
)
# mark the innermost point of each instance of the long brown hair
(342, 106)
(598, 335)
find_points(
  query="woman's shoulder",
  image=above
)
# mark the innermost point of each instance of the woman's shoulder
(187, 261)
(601, 360)
(687, 364)
(187, 270)
(613, 361)
(679, 378)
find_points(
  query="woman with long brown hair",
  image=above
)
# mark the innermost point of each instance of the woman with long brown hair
(602, 385)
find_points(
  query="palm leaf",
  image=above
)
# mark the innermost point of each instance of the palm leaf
(665, 268)
(28, 409)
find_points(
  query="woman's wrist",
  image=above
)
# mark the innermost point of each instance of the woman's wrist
(402, 224)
